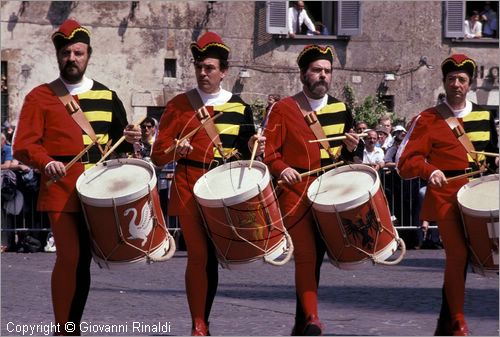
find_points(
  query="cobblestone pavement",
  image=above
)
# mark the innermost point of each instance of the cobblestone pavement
(253, 299)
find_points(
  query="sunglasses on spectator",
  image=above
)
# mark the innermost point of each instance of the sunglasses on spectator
(146, 126)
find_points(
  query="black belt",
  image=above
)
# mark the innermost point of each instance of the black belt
(198, 164)
(455, 173)
(66, 159)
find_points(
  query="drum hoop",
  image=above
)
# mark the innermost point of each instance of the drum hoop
(345, 206)
(483, 213)
(121, 200)
(236, 199)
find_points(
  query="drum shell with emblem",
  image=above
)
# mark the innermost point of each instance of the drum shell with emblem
(353, 216)
(122, 209)
(241, 213)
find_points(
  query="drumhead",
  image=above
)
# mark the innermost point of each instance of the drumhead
(480, 196)
(345, 187)
(231, 183)
(121, 180)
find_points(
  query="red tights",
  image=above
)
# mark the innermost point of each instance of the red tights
(455, 272)
(71, 274)
(202, 267)
(309, 251)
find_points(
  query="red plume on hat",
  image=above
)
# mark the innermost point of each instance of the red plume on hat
(458, 62)
(210, 45)
(312, 53)
(70, 32)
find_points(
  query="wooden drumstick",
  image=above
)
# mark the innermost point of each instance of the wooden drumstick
(191, 133)
(360, 135)
(466, 175)
(254, 149)
(308, 173)
(487, 154)
(74, 160)
(122, 138)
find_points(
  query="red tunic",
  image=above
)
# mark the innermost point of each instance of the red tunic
(178, 120)
(287, 145)
(431, 145)
(45, 129)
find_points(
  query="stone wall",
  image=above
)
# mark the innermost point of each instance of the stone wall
(131, 41)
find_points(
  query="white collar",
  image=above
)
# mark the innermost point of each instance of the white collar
(84, 85)
(460, 113)
(220, 97)
(317, 104)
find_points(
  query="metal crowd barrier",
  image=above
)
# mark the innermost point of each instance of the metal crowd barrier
(402, 197)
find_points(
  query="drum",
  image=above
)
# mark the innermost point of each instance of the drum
(478, 203)
(353, 217)
(242, 215)
(121, 205)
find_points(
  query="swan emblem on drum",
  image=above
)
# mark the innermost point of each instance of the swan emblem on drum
(142, 229)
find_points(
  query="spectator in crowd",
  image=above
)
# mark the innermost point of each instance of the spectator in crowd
(289, 152)
(6, 153)
(361, 126)
(195, 156)
(372, 155)
(47, 137)
(320, 27)
(297, 16)
(473, 27)
(9, 188)
(142, 148)
(382, 137)
(398, 134)
(385, 122)
(489, 20)
(271, 99)
(434, 153)
(8, 130)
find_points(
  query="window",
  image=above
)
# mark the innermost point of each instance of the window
(456, 12)
(340, 18)
(170, 68)
(388, 101)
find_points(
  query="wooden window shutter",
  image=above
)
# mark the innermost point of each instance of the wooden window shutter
(349, 18)
(277, 17)
(454, 17)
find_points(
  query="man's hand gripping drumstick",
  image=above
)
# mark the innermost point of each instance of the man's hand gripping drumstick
(438, 178)
(291, 176)
(56, 170)
(182, 145)
(131, 134)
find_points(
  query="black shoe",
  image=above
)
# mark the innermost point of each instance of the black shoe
(313, 327)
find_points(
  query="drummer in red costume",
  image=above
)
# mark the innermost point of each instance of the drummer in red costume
(47, 138)
(432, 151)
(288, 153)
(197, 154)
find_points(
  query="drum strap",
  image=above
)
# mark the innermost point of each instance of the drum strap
(312, 121)
(203, 115)
(457, 129)
(73, 109)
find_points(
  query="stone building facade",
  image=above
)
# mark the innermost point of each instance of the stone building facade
(141, 50)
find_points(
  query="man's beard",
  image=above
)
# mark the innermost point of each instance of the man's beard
(319, 88)
(72, 73)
